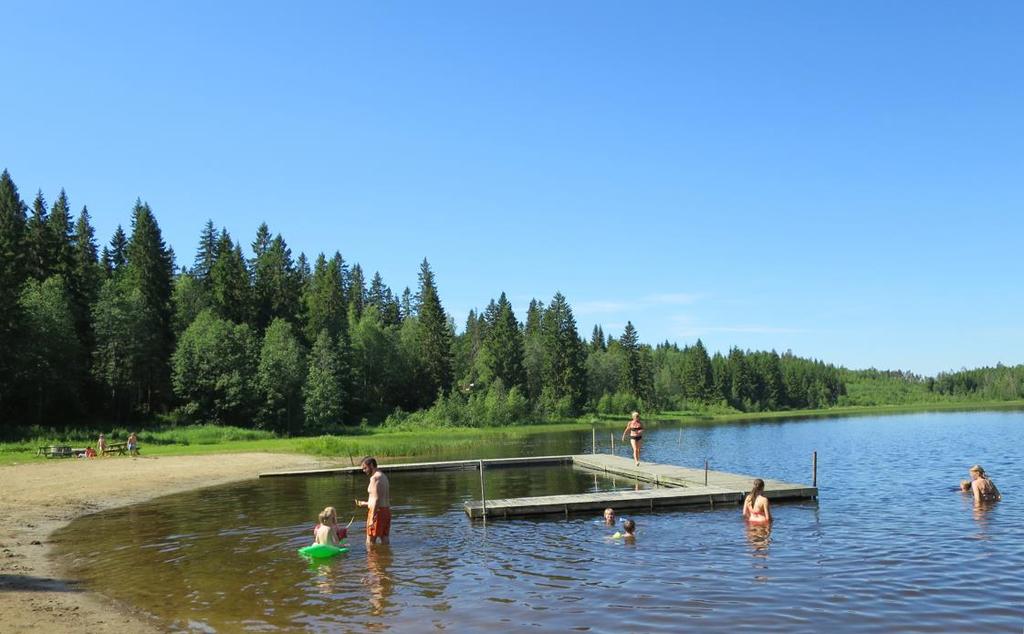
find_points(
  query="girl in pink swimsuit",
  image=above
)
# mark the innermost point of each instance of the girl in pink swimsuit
(755, 507)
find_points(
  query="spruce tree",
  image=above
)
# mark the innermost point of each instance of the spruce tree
(230, 290)
(12, 278)
(206, 254)
(435, 337)
(149, 269)
(324, 392)
(276, 290)
(380, 295)
(62, 254)
(630, 380)
(357, 290)
(504, 346)
(324, 301)
(697, 376)
(39, 244)
(87, 275)
(115, 257)
(564, 373)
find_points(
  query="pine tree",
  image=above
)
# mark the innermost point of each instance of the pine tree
(324, 391)
(597, 339)
(276, 286)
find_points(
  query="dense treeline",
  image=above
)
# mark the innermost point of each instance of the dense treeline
(273, 341)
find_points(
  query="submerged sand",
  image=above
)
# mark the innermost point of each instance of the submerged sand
(41, 496)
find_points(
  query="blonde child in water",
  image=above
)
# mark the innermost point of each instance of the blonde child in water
(340, 531)
(326, 532)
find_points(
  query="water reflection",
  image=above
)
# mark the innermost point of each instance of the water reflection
(759, 537)
(378, 580)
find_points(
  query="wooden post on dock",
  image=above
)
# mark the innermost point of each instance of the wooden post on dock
(814, 469)
(705, 472)
(593, 445)
(483, 497)
(612, 434)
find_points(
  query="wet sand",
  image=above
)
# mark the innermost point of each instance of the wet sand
(41, 496)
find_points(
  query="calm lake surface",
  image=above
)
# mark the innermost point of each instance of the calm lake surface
(891, 545)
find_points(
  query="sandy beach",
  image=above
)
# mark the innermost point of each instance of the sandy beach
(42, 496)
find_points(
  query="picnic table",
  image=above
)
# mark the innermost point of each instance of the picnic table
(55, 451)
(120, 448)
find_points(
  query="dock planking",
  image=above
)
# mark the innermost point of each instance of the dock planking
(683, 486)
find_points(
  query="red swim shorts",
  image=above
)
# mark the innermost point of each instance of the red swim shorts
(378, 522)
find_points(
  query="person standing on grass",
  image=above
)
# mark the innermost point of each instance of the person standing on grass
(378, 504)
(635, 429)
(101, 445)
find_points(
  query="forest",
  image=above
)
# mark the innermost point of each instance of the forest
(259, 338)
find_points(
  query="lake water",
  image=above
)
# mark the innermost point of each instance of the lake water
(891, 545)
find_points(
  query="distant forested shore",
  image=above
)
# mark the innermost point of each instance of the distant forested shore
(260, 339)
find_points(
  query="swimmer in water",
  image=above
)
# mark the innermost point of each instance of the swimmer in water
(609, 516)
(755, 507)
(326, 532)
(982, 486)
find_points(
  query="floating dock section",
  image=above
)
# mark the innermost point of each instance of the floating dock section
(679, 486)
(674, 486)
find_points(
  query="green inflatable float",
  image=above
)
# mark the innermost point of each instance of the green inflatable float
(322, 551)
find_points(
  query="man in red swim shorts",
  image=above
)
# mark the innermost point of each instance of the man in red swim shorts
(378, 504)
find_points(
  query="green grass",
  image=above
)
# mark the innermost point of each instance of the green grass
(212, 439)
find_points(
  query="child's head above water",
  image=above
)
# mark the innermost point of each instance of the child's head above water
(328, 516)
(629, 526)
(965, 485)
(609, 515)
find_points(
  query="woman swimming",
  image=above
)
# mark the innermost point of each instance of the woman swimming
(755, 507)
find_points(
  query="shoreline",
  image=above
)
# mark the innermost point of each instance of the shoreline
(42, 497)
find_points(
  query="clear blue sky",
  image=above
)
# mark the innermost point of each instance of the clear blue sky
(841, 179)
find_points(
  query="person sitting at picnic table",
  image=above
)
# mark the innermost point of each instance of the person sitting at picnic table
(101, 445)
(90, 452)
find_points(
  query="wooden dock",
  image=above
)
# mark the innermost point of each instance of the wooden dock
(674, 486)
(682, 486)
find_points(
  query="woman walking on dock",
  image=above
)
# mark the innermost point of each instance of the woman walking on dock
(635, 429)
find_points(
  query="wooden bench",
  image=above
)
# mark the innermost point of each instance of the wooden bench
(55, 451)
(120, 448)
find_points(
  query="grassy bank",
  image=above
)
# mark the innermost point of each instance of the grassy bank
(348, 448)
